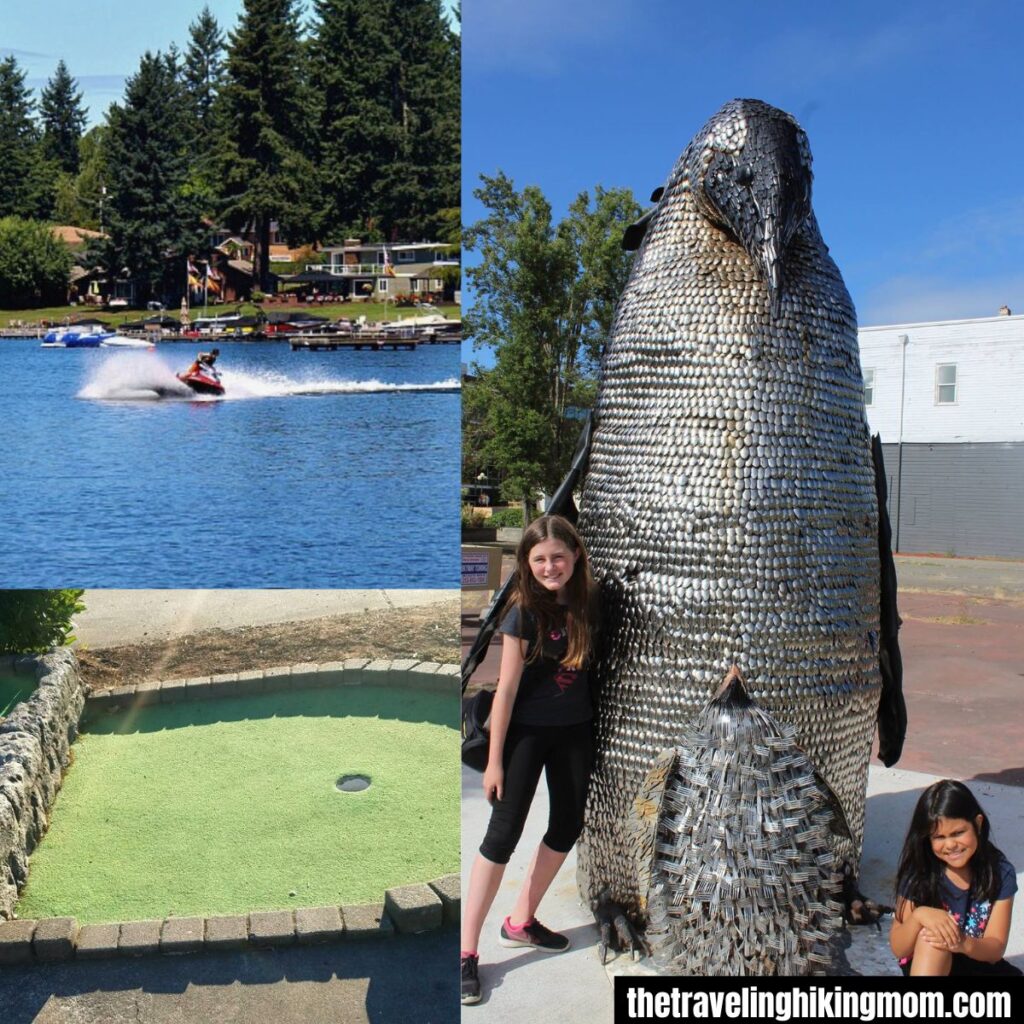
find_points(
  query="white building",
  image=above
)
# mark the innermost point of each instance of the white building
(947, 398)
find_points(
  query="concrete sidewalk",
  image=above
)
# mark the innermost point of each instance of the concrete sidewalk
(963, 652)
(115, 617)
(397, 979)
(523, 985)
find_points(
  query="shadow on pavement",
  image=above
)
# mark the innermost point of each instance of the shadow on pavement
(379, 981)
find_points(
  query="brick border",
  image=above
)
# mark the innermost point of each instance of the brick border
(401, 672)
(407, 909)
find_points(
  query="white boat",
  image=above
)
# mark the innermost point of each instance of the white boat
(119, 341)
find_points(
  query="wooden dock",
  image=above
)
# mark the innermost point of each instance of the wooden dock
(375, 341)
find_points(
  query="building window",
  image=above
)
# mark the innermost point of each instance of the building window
(436, 284)
(382, 284)
(416, 282)
(945, 384)
(405, 256)
(869, 387)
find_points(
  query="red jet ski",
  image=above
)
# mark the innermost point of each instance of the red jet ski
(203, 381)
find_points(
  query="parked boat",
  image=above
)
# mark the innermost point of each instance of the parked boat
(120, 341)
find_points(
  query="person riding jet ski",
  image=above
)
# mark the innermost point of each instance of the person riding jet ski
(202, 376)
(204, 363)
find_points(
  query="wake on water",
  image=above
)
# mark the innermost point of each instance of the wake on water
(139, 377)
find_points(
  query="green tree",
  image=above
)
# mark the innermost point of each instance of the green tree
(151, 218)
(80, 198)
(386, 75)
(265, 170)
(34, 265)
(543, 304)
(203, 73)
(33, 621)
(63, 119)
(26, 176)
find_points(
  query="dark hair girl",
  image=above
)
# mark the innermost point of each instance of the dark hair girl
(954, 889)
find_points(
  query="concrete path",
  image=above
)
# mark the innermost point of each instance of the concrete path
(408, 978)
(963, 651)
(549, 989)
(980, 577)
(114, 617)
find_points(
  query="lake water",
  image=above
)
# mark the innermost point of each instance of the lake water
(329, 469)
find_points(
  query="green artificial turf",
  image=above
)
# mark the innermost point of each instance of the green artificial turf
(226, 806)
(13, 690)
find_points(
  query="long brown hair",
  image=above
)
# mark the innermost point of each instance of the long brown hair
(530, 596)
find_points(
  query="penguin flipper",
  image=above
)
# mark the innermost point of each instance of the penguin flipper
(892, 708)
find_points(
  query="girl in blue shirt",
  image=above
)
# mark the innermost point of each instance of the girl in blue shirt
(954, 890)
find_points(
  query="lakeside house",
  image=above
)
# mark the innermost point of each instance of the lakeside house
(381, 270)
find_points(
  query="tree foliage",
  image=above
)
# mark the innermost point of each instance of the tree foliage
(79, 198)
(33, 621)
(63, 119)
(544, 296)
(26, 176)
(152, 220)
(203, 74)
(34, 265)
(265, 168)
(385, 76)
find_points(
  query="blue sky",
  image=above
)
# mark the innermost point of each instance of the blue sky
(912, 110)
(101, 42)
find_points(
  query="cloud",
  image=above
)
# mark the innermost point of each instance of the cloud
(988, 230)
(9, 52)
(919, 298)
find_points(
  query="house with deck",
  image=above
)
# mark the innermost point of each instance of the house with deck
(382, 270)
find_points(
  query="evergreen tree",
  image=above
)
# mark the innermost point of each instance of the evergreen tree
(203, 74)
(63, 119)
(387, 77)
(80, 198)
(265, 172)
(26, 177)
(151, 218)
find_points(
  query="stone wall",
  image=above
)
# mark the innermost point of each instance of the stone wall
(34, 751)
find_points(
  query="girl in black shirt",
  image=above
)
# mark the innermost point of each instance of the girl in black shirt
(540, 721)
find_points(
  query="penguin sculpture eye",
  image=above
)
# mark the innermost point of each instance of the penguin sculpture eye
(744, 175)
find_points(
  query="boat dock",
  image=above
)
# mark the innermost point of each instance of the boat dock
(376, 341)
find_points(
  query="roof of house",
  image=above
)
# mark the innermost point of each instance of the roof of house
(74, 236)
(285, 252)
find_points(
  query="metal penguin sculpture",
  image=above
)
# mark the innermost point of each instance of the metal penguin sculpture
(729, 504)
(734, 515)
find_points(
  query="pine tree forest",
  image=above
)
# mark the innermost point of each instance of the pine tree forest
(322, 121)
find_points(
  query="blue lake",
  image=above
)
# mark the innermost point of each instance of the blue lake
(329, 469)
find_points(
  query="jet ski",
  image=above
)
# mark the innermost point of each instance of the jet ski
(203, 381)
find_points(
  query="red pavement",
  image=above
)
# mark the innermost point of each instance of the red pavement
(963, 678)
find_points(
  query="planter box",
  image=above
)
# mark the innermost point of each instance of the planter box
(473, 535)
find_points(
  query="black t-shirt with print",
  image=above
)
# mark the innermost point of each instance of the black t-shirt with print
(549, 693)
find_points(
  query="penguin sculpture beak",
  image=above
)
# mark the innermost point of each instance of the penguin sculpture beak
(762, 195)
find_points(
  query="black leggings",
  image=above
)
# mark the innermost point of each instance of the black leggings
(565, 752)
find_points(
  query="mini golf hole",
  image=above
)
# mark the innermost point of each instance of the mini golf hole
(353, 783)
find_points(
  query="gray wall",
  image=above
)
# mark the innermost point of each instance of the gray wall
(958, 499)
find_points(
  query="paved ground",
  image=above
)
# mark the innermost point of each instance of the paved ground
(963, 650)
(392, 980)
(115, 617)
